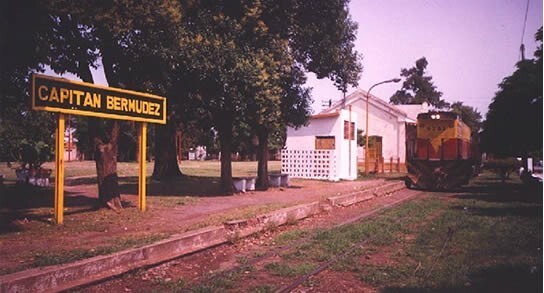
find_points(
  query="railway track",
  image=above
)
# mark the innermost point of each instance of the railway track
(408, 195)
(351, 249)
(350, 215)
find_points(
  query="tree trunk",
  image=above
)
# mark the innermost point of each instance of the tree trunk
(262, 157)
(105, 154)
(225, 139)
(166, 162)
(104, 149)
(105, 139)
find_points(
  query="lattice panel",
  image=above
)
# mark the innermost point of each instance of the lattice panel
(309, 164)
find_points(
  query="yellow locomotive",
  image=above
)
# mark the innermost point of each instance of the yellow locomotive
(443, 157)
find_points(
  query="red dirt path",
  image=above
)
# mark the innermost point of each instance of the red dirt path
(27, 233)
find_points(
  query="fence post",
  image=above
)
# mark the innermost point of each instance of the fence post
(391, 165)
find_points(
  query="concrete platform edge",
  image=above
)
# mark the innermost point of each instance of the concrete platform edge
(65, 276)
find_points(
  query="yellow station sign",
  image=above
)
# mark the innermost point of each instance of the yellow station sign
(81, 98)
(87, 99)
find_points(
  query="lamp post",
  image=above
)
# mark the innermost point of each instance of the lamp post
(366, 131)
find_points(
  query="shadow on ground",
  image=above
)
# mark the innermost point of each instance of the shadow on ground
(491, 279)
(26, 202)
(505, 199)
(490, 190)
(178, 186)
(200, 186)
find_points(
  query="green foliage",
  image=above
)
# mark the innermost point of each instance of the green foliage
(25, 136)
(418, 87)
(470, 116)
(242, 66)
(513, 125)
(33, 154)
(238, 68)
(503, 167)
(361, 139)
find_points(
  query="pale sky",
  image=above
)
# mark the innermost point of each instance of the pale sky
(471, 45)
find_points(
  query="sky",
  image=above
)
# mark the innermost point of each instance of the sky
(471, 45)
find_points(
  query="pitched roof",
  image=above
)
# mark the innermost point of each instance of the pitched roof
(413, 110)
(325, 115)
(362, 95)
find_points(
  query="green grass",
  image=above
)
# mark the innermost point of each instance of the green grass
(484, 239)
(383, 230)
(290, 236)
(46, 258)
(124, 169)
(289, 270)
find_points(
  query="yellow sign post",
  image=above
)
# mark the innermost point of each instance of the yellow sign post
(59, 170)
(142, 138)
(73, 97)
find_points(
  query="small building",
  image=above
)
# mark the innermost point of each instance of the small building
(71, 152)
(386, 130)
(325, 149)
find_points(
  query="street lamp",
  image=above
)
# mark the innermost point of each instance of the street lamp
(366, 131)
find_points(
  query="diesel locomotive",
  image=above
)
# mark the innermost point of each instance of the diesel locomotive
(444, 156)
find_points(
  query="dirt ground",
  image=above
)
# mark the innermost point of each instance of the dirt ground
(28, 238)
(206, 267)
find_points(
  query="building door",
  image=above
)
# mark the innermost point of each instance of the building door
(375, 154)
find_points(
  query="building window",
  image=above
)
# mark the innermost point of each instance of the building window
(349, 132)
(324, 143)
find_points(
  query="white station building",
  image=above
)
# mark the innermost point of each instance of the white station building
(322, 149)
(325, 149)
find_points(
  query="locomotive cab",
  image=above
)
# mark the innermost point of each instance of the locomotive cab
(442, 156)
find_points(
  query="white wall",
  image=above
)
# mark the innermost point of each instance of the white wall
(348, 158)
(304, 139)
(384, 123)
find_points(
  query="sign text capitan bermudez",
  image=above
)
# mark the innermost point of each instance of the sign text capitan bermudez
(80, 98)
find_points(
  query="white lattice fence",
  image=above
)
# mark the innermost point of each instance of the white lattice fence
(309, 164)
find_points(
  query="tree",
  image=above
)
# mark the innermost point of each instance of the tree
(70, 37)
(227, 63)
(319, 37)
(234, 62)
(513, 125)
(418, 87)
(469, 115)
(23, 37)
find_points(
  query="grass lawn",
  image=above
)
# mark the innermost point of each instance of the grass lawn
(124, 169)
(485, 238)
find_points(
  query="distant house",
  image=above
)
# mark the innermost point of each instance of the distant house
(325, 149)
(71, 152)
